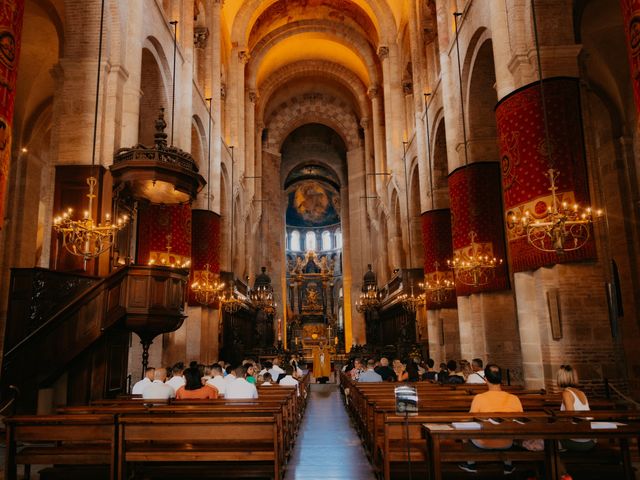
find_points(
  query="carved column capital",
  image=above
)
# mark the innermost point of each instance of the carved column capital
(364, 122)
(223, 91)
(243, 56)
(373, 91)
(383, 52)
(253, 96)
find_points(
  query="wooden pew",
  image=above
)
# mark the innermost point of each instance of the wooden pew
(230, 442)
(440, 437)
(60, 440)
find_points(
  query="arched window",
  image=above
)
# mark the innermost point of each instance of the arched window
(326, 240)
(294, 243)
(338, 239)
(340, 318)
(310, 241)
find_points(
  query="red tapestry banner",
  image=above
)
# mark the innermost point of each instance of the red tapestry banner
(525, 164)
(11, 15)
(476, 206)
(438, 248)
(631, 21)
(164, 235)
(205, 246)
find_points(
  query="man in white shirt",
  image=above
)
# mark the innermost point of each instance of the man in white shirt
(478, 372)
(240, 388)
(288, 378)
(229, 378)
(275, 371)
(217, 379)
(139, 387)
(158, 389)
(177, 380)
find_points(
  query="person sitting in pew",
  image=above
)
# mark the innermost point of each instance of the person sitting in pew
(288, 378)
(478, 371)
(240, 388)
(400, 369)
(138, 387)
(193, 388)
(177, 380)
(430, 374)
(493, 400)
(251, 377)
(217, 379)
(158, 389)
(370, 375)
(266, 379)
(573, 400)
(413, 374)
(385, 371)
(453, 376)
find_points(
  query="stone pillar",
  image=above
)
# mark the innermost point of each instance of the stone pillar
(216, 104)
(488, 324)
(378, 137)
(11, 16)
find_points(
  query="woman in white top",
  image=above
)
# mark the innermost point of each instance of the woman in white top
(573, 400)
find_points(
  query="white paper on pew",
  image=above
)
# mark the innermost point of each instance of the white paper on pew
(438, 426)
(603, 425)
(466, 425)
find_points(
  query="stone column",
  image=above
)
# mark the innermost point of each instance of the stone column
(378, 139)
(216, 104)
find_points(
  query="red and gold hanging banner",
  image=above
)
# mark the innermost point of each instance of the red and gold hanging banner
(11, 15)
(164, 235)
(525, 162)
(205, 246)
(476, 206)
(631, 21)
(438, 248)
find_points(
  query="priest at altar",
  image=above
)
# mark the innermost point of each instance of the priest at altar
(321, 363)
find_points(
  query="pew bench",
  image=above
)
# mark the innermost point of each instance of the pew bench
(59, 440)
(443, 443)
(238, 444)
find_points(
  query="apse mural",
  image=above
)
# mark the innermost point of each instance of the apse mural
(312, 203)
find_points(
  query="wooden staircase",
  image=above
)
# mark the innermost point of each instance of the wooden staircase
(80, 325)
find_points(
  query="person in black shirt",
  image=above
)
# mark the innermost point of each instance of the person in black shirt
(385, 371)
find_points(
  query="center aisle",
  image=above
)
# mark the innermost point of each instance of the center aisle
(327, 447)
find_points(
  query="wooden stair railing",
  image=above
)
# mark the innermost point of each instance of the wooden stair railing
(130, 297)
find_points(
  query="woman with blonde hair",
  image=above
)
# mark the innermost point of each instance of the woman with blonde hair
(573, 400)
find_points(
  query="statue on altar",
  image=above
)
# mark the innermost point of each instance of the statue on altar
(321, 363)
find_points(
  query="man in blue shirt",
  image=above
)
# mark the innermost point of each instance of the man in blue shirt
(370, 375)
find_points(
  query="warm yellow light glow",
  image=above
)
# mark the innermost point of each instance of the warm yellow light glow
(311, 46)
(231, 7)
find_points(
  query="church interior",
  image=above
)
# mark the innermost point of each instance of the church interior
(220, 180)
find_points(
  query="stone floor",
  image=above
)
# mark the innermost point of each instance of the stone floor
(327, 446)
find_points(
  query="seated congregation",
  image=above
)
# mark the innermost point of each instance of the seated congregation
(469, 420)
(218, 420)
(224, 421)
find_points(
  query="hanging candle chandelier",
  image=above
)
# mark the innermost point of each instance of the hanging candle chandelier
(562, 227)
(474, 265)
(230, 301)
(410, 302)
(437, 288)
(262, 294)
(206, 288)
(370, 297)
